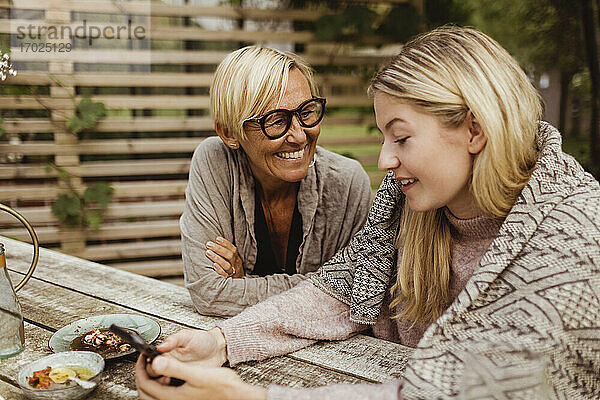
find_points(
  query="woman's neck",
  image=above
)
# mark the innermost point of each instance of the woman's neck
(274, 190)
(277, 193)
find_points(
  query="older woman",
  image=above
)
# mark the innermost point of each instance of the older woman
(265, 206)
(481, 251)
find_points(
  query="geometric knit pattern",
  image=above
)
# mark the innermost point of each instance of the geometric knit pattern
(527, 324)
(360, 273)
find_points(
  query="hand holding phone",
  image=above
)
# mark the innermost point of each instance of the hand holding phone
(138, 343)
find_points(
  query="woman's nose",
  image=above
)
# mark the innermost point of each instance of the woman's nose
(387, 159)
(296, 132)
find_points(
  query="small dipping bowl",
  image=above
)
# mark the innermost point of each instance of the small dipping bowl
(87, 359)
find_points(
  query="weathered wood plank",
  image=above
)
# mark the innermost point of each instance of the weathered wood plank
(37, 215)
(55, 306)
(117, 56)
(100, 169)
(52, 306)
(10, 392)
(155, 79)
(132, 291)
(117, 125)
(124, 251)
(117, 146)
(138, 189)
(155, 268)
(108, 231)
(378, 363)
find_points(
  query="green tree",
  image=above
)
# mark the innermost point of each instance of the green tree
(590, 15)
(544, 34)
(549, 34)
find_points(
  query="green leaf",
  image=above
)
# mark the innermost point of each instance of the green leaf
(68, 209)
(99, 193)
(94, 219)
(74, 124)
(87, 114)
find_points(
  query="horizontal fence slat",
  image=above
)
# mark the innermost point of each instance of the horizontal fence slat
(38, 215)
(99, 169)
(151, 79)
(118, 56)
(29, 125)
(116, 251)
(114, 79)
(194, 33)
(111, 102)
(108, 231)
(141, 189)
(118, 146)
(155, 102)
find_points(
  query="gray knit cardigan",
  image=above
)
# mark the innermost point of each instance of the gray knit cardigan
(535, 296)
(333, 200)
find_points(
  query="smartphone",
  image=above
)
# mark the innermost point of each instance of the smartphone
(138, 343)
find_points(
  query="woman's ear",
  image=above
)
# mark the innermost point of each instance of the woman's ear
(477, 138)
(226, 136)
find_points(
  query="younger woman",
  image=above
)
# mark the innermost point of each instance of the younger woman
(483, 243)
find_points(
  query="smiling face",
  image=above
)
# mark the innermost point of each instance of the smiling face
(432, 162)
(286, 159)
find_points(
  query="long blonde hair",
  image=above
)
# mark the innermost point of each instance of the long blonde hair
(448, 72)
(247, 80)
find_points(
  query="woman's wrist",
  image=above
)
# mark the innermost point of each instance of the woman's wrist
(221, 344)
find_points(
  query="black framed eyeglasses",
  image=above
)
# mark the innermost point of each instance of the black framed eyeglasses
(276, 123)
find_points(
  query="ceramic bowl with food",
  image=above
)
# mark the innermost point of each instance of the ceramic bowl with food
(38, 381)
(91, 334)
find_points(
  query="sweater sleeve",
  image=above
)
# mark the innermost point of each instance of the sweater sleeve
(286, 323)
(386, 391)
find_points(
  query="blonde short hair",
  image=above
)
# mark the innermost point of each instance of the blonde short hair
(448, 73)
(247, 80)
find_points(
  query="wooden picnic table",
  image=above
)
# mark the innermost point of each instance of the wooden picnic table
(66, 288)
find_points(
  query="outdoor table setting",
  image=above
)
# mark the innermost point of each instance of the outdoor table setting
(67, 296)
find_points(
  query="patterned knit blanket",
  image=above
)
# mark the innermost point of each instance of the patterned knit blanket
(533, 304)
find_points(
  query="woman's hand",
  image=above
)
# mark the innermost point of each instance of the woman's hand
(225, 258)
(195, 348)
(200, 382)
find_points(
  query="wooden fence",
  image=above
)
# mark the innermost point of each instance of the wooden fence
(157, 115)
